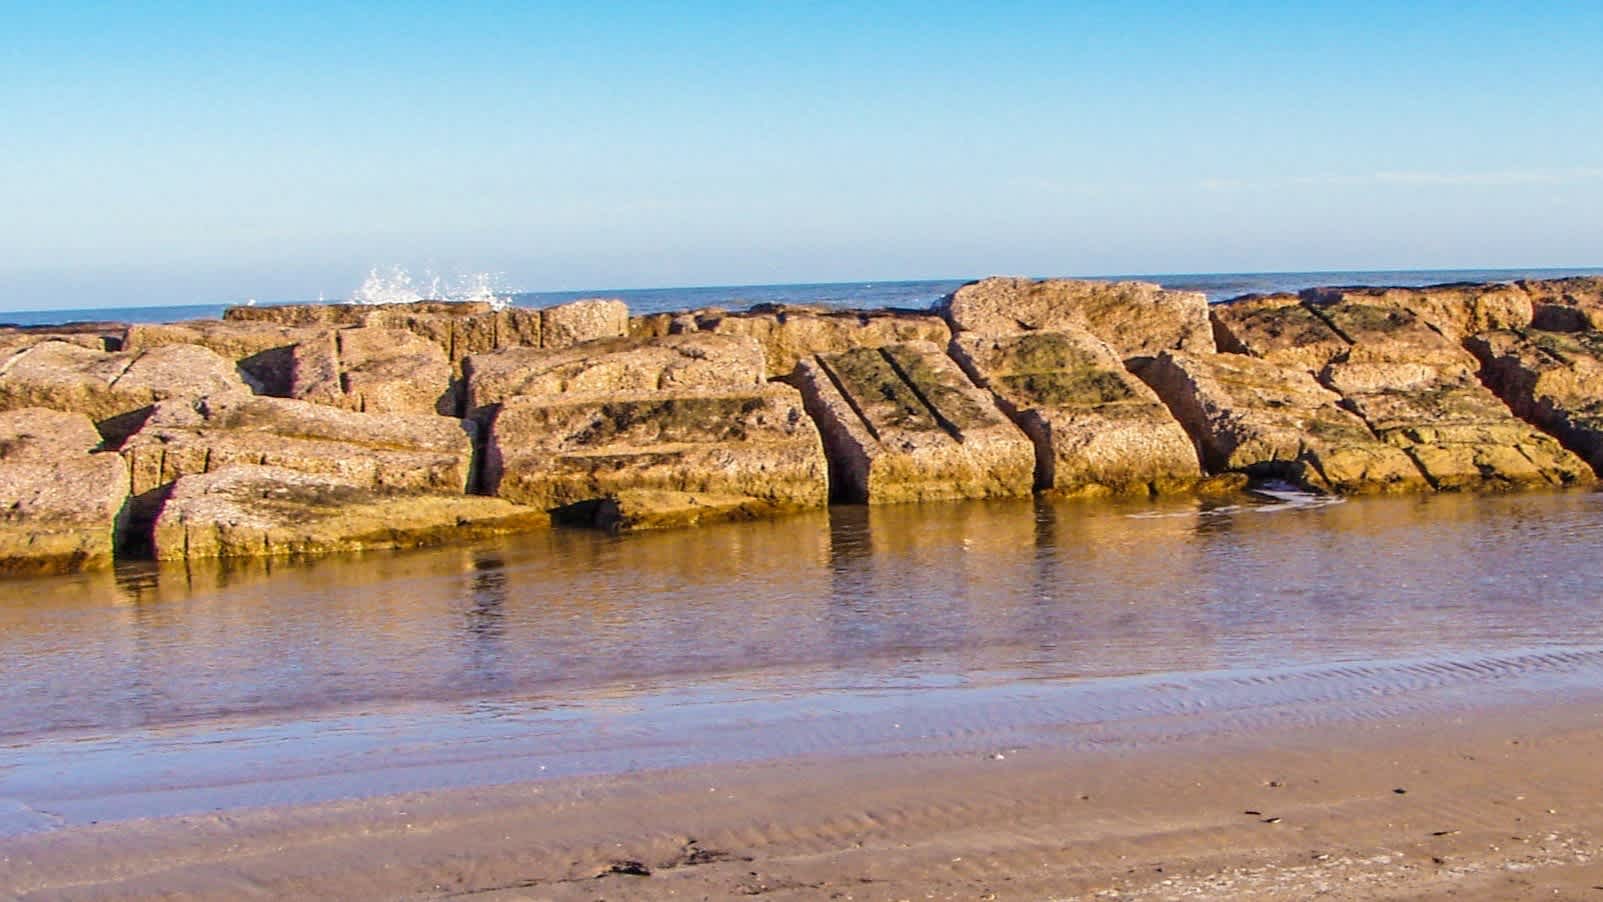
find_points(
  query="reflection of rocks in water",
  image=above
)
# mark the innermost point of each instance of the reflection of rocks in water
(485, 619)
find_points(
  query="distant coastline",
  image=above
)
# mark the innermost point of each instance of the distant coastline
(903, 293)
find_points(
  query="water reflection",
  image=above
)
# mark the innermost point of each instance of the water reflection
(852, 597)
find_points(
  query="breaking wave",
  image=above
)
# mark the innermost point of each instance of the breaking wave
(396, 285)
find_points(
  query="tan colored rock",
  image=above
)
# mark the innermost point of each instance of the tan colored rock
(790, 333)
(1271, 420)
(253, 511)
(424, 454)
(569, 324)
(115, 389)
(94, 336)
(60, 504)
(1455, 310)
(373, 370)
(1566, 305)
(1137, 319)
(1096, 428)
(579, 449)
(263, 350)
(1380, 334)
(903, 423)
(632, 510)
(669, 363)
(1552, 379)
(1458, 432)
(1278, 328)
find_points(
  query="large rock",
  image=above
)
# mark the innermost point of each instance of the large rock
(1553, 379)
(566, 325)
(1458, 432)
(252, 511)
(1278, 328)
(1455, 310)
(577, 450)
(391, 452)
(903, 423)
(1137, 319)
(263, 350)
(115, 389)
(373, 370)
(789, 333)
(1096, 428)
(1384, 334)
(1271, 420)
(94, 336)
(1566, 305)
(60, 504)
(670, 363)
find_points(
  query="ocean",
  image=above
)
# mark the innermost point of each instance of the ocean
(916, 293)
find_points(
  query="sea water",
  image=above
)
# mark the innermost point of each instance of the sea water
(949, 628)
(397, 285)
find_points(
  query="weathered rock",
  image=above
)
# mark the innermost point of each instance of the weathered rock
(115, 389)
(1553, 379)
(1278, 328)
(576, 449)
(373, 370)
(1455, 310)
(263, 350)
(569, 324)
(1271, 420)
(60, 504)
(1566, 305)
(249, 511)
(903, 423)
(673, 362)
(1458, 432)
(1137, 319)
(94, 336)
(391, 452)
(633, 510)
(1096, 428)
(1388, 335)
(789, 333)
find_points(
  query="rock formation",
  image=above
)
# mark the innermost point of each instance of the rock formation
(749, 449)
(903, 423)
(1553, 379)
(60, 503)
(1096, 428)
(373, 370)
(243, 510)
(115, 389)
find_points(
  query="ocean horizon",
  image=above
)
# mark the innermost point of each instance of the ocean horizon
(908, 293)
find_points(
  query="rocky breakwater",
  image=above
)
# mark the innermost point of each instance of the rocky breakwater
(313, 428)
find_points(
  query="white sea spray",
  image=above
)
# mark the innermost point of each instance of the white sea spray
(395, 285)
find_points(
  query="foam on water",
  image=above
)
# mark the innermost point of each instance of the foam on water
(395, 285)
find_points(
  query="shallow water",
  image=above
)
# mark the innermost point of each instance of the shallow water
(955, 627)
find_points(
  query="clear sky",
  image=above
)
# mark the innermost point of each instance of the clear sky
(192, 153)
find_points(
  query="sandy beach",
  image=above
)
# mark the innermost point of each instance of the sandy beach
(1495, 804)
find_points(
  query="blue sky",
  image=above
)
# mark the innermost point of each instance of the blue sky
(188, 153)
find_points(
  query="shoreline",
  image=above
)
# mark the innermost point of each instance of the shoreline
(1494, 803)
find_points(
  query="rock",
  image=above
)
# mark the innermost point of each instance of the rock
(263, 350)
(1552, 379)
(1458, 432)
(373, 370)
(1455, 310)
(789, 333)
(569, 324)
(424, 454)
(633, 510)
(1391, 335)
(1137, 319)
(1096, 428)
(94, 336)
(1271, 420)
(578, 449)
(60, 504)
(115, 389)
(1278, 328)
(673, 362)
(249, 511)
(903, 423)
(1566, 305)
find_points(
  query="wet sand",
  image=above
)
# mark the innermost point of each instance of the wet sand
(1501, 803)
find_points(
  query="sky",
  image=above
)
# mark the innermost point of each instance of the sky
(174, 153)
